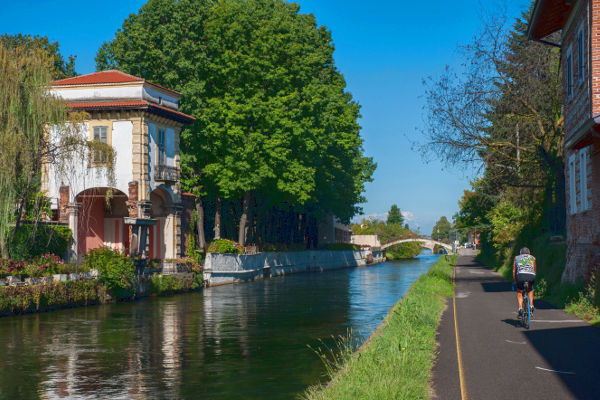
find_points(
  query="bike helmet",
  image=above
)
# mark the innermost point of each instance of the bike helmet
(524, 250)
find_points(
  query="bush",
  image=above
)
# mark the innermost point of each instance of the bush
(225, 246)
(26, 299)
(169, 284)
(32, 241)
(46, 265)
(117, 271)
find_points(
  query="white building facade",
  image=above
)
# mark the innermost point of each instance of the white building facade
(135, 205)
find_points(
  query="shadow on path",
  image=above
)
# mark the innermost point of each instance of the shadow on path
(574, 352)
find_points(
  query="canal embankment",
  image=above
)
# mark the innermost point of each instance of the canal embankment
(222, 269)
(115, 278)
(396, 361)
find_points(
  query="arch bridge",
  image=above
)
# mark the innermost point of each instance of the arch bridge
(425, 242)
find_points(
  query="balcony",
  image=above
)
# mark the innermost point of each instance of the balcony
(166, 174)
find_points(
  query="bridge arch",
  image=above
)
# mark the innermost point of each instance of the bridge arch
(429, 243)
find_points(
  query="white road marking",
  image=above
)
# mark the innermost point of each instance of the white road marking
(554, 321)
(462, 295)
(477, 272)
(510, 341)
(558, 372)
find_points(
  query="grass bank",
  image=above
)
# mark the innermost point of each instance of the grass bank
(579, 299)
(396, 362)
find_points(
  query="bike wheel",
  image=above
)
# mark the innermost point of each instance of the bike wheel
(526, 313)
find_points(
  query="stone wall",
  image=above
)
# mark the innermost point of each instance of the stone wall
(222, 269)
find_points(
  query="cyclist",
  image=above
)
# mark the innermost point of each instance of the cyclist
(524, 270)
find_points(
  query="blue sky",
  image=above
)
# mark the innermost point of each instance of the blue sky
(383, 48)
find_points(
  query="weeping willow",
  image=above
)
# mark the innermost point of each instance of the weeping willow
(26, 113)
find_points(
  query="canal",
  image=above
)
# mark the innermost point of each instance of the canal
(245, 341)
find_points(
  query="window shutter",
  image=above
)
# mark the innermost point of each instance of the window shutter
(588, 192)
(580, 56)
(572, 183)
(569, 72)
(583, 179)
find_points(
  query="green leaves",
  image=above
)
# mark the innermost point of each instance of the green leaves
(273, 115)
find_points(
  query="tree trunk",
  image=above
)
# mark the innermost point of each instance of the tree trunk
(3, 248)
(244, 219)
(200, 223)
(217, 228)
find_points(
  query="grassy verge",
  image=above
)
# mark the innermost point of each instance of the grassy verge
(576, 298)
(396, 362)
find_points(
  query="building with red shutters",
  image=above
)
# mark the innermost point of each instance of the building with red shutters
(578, 25)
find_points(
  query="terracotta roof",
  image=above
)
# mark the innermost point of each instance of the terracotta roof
(135, 105)
(110, 76)
(548, 16)
(106, 77)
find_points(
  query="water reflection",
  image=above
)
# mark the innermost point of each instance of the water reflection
(239, 341)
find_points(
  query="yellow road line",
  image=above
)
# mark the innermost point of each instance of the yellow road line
(461, 374)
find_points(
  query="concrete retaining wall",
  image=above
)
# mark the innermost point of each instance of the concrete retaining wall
(222, 269)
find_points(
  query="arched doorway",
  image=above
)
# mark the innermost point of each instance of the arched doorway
(100, 220)
(161, 235)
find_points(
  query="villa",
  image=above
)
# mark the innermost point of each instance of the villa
(136, 205)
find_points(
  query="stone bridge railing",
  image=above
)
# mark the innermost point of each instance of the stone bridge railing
(425, 241)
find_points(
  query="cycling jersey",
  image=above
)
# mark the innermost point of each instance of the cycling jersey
(525, 264)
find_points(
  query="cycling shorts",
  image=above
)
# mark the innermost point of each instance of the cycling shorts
(522, 278)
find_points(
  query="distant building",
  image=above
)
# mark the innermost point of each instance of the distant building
(579, 24)
(331, 230)
(139, 209)
(366, 240)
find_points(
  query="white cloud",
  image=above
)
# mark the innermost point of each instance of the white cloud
(408, 216)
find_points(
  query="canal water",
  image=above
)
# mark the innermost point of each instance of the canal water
(245, 341)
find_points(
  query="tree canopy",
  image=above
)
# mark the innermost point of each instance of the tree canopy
(503, 109)
(26, 111)
(275, 125)
(395, 216)
(55, 62)
(441, 230)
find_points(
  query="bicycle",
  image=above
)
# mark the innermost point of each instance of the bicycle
(526, 316)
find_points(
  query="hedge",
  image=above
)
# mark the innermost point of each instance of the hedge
(32, 241)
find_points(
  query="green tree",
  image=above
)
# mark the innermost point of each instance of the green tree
(59, 68)
(441, 230)
(395, 216)
(504, 109)
(26, 112)
(273, 115)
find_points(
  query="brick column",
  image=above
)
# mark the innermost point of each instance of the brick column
(63, 202)
(132, 205)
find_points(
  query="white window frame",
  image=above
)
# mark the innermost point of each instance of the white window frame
(99, 136)
(572, 185)
(580, 54)
(569, 72)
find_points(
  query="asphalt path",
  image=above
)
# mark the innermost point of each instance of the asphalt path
(557, 358)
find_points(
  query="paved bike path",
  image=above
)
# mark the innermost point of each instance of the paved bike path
(557, 358)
